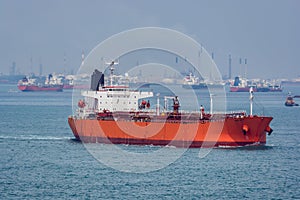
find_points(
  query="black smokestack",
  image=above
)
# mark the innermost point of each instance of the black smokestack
(97, 80)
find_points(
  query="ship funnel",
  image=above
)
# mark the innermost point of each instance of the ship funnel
(97, 80)
(49, 76)
(236, 81)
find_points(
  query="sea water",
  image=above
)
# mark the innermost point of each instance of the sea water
(40, 159)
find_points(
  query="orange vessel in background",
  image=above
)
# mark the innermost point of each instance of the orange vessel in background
(113, 114)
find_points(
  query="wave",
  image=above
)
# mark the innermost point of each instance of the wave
(34, 137)
(247, 147)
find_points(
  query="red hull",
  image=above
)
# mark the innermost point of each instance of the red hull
(34, 88)
(227, 132)
(68, 87)
(241, 89)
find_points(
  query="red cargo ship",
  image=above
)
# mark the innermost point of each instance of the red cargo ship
(34, 88)
(114, 114)
(30, 85)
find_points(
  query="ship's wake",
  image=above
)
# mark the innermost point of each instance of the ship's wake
(33, 137)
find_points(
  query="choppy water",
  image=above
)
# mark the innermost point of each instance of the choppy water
(39, 159)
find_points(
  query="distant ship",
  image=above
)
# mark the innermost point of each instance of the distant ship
(33, 85)
(116, 114)
(68, 84)
(190, 81)
(243, 85)
(290, 100)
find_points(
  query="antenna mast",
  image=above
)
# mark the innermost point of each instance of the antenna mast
(111, 72)
(245, 67)
(82, 57)
(112, 68)
(229, 70)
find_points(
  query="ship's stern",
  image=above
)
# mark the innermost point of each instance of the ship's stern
(72, 124)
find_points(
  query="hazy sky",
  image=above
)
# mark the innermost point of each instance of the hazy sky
(266, 32)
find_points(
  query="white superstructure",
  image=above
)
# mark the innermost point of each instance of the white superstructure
(114, 98)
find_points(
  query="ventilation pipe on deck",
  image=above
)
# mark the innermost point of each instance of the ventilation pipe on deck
(251, 100)
(157, 105)
(211, 103)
